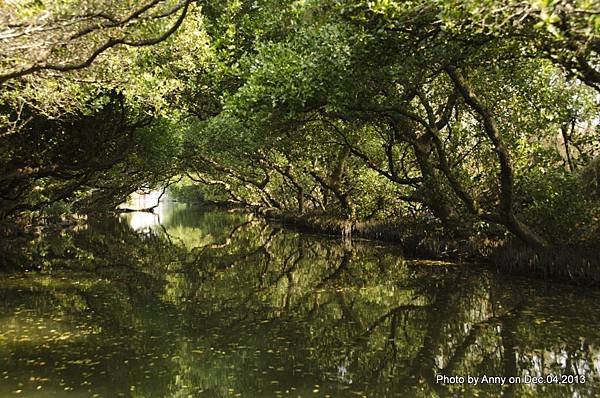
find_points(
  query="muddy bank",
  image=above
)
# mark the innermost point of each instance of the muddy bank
(419, 240)
(579, 265)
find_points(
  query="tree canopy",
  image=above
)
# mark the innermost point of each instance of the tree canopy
(471, 118)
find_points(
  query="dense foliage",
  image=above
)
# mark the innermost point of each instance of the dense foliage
(474, 118)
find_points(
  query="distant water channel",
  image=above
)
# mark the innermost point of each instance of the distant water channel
(193, 303)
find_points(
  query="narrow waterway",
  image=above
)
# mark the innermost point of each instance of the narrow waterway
(192, 303)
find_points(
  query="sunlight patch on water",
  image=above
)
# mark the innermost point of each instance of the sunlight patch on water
(142, 221)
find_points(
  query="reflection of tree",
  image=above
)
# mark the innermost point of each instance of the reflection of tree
(509, 351)
(395, 340)
(249, 299)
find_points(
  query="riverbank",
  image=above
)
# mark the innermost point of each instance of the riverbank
(415, 239)
(579, 265)
(572, 264)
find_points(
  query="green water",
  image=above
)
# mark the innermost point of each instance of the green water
(190, 303)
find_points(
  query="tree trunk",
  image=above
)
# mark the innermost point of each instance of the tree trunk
(506, 177)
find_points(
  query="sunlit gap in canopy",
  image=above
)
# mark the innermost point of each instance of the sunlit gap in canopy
(144, 220)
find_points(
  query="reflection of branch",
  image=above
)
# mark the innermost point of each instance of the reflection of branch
(391, 340)
(392, 312)
(509, 344)
(288, 270)
(333, 275)
(228, 239)
(162, 227)
(290, 276)
(461, 350)
(243, 256)
(343, 266)
(269, 256)
(263, 247)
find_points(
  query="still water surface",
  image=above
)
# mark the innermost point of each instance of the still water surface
(192, 303)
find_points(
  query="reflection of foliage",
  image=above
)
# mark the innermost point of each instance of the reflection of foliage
(218, 304)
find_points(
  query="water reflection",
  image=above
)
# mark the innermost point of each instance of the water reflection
(220, 304)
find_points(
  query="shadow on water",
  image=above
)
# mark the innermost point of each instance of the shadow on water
(217, 304)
